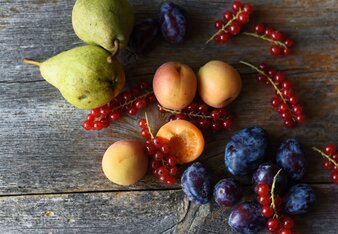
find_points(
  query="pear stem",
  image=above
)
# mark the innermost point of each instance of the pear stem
(31, 62)
(115, 51)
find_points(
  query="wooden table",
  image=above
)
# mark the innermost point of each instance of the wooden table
(50, 168)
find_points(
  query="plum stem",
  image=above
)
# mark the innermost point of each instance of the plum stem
(224, 26)
(31, 62)
(325, 156)
(265, 38)
(273, 186)
(148, 126)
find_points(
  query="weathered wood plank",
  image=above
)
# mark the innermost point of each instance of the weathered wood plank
(140, 212)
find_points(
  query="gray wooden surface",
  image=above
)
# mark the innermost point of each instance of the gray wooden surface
(50, 170)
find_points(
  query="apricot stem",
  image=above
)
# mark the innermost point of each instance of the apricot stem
(149, 129)
(31, 62)
(273, 186)
(325, 156)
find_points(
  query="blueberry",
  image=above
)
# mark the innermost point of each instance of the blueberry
(245, 151)
(290, 157)
(173, 22)
(196, 183)
(143, 36)
(227, 192)
(299, 199)
(246, 218)
(265, 173)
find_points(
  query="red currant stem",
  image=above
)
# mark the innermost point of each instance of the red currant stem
(271, 81)
(149, 129)
(273, 186)
(224, 26)
(265, 38)
(31, 62)
(190, 114)
(325, 156)
(132, 101)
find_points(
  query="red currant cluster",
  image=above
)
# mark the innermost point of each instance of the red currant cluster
(271, 207)
(331, 163)
(285, 101)
(130, 102)
(280, 43)
(202, 115)
(232, 23)
(163, 163)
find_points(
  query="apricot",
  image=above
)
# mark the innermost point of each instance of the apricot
(125, 162)
(218, 83)
(175, 85)
(186, 141)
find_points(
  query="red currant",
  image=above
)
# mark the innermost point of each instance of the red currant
(143, 85)
(279, 77)
(236, 6)
(297, 109)
(234, 28)
(151, 99)
(285, 231)
(203, 108)
(259, 28)
(170, 180)
(173, 171)
(145, 133)
(88, 125)
(155, 164)
(330, 149)
(248, 9)
(335, 157)
(165, 148)
(277, 36)
(272, 224)
(219, 24)
(272, 72)
(127, 96)
(115, 116)
(275, 50)
(215, 114)
(133, 110)
(142, 123)
(286, 115)
(268, 32)
(216, 126)
(334, 177)
(300, 118)
(141, 103)
(243, 18)
(262, 78)
(193, 107)
(158, 142)
(228, 15)
(262, 189)
(287, 51)
(267, 211)
(293, 100)
(287, 222)
(224, 37)
(162, 171)
(264, 200)
(105, 110)
(288, 42)
(158, 156)
(98, 125)
(275, 102)
(289, 123)
(151, 149)
(227, 124)
(283, 107)
(95, 112)
(204, 123)
(287, 84)
(172, 161)
(264, 67)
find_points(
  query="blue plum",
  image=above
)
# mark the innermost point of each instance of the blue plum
(245, 151)
(197, 184)
(246, 218)
(290, 157)
(265, 173)
(143, 36)
(299, 199)
(227, 192)
(173, 22)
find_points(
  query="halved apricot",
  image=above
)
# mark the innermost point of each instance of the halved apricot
(186, 141)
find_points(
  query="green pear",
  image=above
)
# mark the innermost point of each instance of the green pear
(84, 76)
(107, 23)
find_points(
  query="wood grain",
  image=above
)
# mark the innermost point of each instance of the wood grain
(44, 150)
(141, 212)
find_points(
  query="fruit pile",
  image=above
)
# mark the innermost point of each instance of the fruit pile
(277, 200)
(91, 77)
